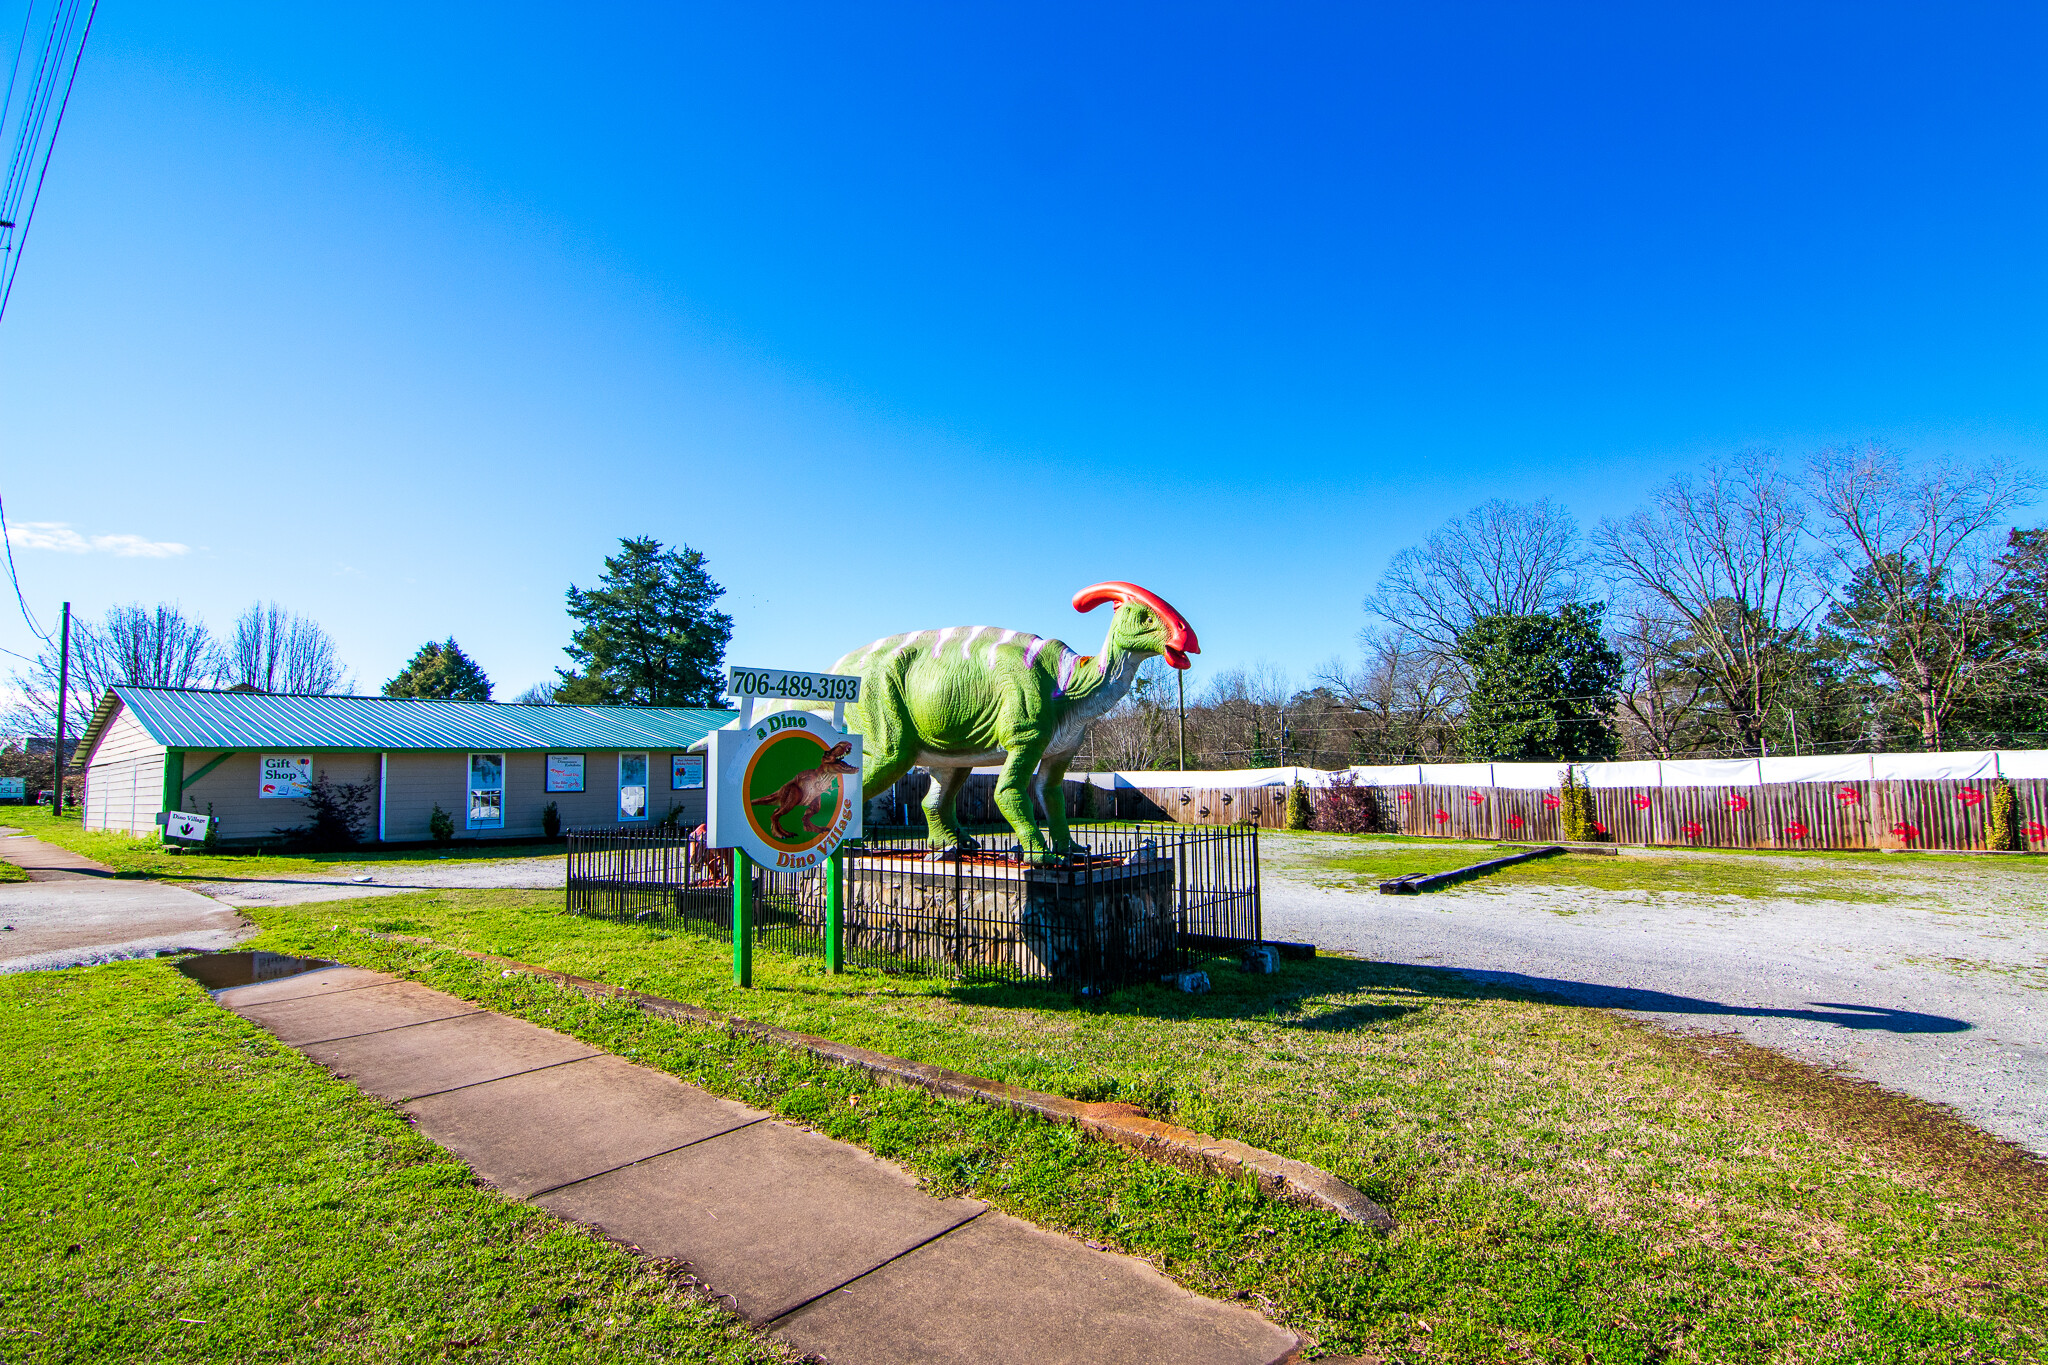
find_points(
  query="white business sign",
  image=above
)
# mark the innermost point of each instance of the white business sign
(786, 789)
(285, 775)
(179, 824)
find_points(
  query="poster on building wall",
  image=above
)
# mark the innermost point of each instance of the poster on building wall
(686, 772)
(565, 772)
(285, 775)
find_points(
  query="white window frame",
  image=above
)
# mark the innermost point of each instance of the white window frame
(646, 786)
(470, 790)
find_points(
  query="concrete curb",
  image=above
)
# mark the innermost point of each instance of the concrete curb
(1293, 1182)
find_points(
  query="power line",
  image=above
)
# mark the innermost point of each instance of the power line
(15, 578)
(57, 46)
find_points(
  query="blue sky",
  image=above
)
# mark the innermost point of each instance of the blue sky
(907, 317)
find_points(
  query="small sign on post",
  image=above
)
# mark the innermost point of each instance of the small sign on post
(186, 827)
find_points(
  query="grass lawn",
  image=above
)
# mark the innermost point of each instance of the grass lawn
(1360, 860)
(149, 859)
(1570, 1185)
(175, 1186)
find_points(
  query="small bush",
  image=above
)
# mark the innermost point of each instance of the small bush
(1301, 809)
(1345, 807)
(441, 825)
(1575, 809)
(2003, 829)
(212, 841)
(340, 811)
(551, 820)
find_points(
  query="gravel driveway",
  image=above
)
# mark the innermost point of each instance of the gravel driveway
(1941, 992)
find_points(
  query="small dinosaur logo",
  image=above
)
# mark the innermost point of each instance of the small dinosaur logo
(806, 792)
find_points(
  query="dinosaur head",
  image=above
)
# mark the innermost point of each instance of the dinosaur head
(1145, 621)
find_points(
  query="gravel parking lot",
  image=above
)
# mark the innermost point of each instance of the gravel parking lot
(1929, 977)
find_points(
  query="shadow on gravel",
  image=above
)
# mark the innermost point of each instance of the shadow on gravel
(1402, 987)
(1663, 1002)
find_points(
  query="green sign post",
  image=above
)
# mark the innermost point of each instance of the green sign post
(785, 792)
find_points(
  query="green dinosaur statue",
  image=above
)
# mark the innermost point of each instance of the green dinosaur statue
(948, 700)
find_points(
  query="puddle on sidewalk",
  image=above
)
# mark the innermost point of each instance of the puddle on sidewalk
(223, 971)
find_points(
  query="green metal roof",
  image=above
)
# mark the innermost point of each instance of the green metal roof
(180, 718)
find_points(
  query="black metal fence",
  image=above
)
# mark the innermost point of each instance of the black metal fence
(1123, 912)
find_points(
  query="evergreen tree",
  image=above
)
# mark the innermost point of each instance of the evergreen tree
(1544, 686)
(441, 672)
(648, 635)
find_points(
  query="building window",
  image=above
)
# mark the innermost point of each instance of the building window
(632, 786)
(487, 791)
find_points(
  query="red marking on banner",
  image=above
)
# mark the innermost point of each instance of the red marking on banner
(1796, 830)
(1691, 827)
(1642, 801)
(1738, 803)
(1970, 796)
(1906, 831)
(1551, 803)
(1848, 795)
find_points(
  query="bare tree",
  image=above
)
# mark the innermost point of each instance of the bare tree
(146, 646)
(1926, 588)
(540, 694)
(1403, 698)
(156, 647)
(1140, 732)
(1661, 696)
(1724, 562)
(1500, 558)
(275, 650)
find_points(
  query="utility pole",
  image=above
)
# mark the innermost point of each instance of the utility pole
(1180, 680)
(63, 686)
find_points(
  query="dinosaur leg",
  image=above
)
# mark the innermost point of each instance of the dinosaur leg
(940, 810)
(1013, 799)
(1052, 790)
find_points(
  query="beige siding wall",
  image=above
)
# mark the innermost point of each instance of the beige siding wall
(124, 779)
(418, 781)
(231, 790)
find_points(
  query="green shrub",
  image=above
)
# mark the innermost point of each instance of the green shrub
(1575, 808)
(1301, 810)
(441, 825)
(551, 820)
(212, 841)
(2003, 831)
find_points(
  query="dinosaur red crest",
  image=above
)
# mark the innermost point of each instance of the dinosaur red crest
(1180, 636)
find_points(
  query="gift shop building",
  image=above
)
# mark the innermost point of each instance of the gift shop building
(250, 759)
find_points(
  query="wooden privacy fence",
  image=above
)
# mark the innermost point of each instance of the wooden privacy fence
(1903, 814)
(1869, 813)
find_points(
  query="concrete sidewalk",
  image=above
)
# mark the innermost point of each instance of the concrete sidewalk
(47, 862)
(68, 914)
(834, 1251)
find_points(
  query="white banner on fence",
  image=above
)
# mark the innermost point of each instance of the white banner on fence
(1709, 772)
(2023, 762)
(1527, 777)
(1838, 768)
(1642, 774)
(1457, 774)
(1932, 767)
